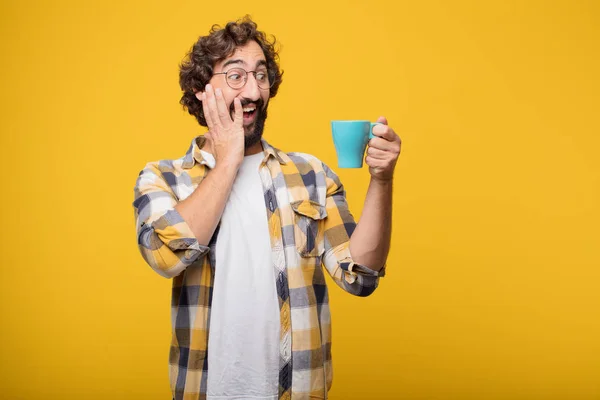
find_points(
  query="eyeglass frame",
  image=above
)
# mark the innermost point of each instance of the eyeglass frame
(271, 81)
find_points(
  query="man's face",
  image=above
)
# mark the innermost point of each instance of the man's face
(249, 57)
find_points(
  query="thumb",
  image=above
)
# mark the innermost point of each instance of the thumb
(382, 120)
(210, 142)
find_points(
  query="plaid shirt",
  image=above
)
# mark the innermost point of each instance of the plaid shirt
(309, 225)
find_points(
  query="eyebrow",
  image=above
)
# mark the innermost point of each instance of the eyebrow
(235, 61)
(259, 63)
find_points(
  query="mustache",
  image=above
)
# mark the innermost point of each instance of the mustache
(259, 104)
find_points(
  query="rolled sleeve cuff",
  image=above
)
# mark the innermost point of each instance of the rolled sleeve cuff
(169, 245)
(172, 229)
(354, 278)
(357, 269)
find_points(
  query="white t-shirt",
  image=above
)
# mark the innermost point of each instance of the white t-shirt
(243, 340)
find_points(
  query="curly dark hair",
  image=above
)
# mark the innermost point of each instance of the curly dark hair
(196, 70)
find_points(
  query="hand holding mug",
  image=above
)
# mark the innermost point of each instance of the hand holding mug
(351, 138)
(383, 151)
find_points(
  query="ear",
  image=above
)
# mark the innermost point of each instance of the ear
(199, 95)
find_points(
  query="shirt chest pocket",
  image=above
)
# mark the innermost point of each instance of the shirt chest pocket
(308, 227)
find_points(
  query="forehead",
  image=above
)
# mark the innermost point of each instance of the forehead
(248, 55)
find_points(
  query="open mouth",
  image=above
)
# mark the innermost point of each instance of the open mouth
(249, 113)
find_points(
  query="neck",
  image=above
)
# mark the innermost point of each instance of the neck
(254, 149)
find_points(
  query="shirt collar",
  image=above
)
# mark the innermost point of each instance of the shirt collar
(271, 151)
(193, 155)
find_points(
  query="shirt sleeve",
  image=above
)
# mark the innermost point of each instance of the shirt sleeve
(339, 225)
(165, 240)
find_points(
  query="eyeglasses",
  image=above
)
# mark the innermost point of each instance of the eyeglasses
(236, 78)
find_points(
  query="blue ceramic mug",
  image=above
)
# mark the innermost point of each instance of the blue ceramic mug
(350, 139)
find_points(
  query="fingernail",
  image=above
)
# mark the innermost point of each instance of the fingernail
(218, 91)
(208, 86)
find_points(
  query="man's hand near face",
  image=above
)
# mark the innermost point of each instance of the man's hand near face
(225, 136)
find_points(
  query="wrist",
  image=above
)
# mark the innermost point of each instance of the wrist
(382, 181)
(228, 166)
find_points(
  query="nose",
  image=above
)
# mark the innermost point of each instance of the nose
(251, 90)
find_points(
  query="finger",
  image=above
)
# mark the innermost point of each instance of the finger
(378, 154)
(205, 110)
(222, 108)
(375, 163)
(238, 117)
(382, 144)
(212, 105)
(385, 132)
(382, 120)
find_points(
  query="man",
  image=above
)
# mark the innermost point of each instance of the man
(244, 230)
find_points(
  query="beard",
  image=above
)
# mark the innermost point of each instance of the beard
(253, 133)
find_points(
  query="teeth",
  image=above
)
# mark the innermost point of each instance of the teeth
(249, 109)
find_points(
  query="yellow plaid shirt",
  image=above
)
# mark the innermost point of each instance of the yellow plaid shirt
(309, 225)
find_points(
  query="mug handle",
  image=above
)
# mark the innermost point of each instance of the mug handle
(371, 136)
